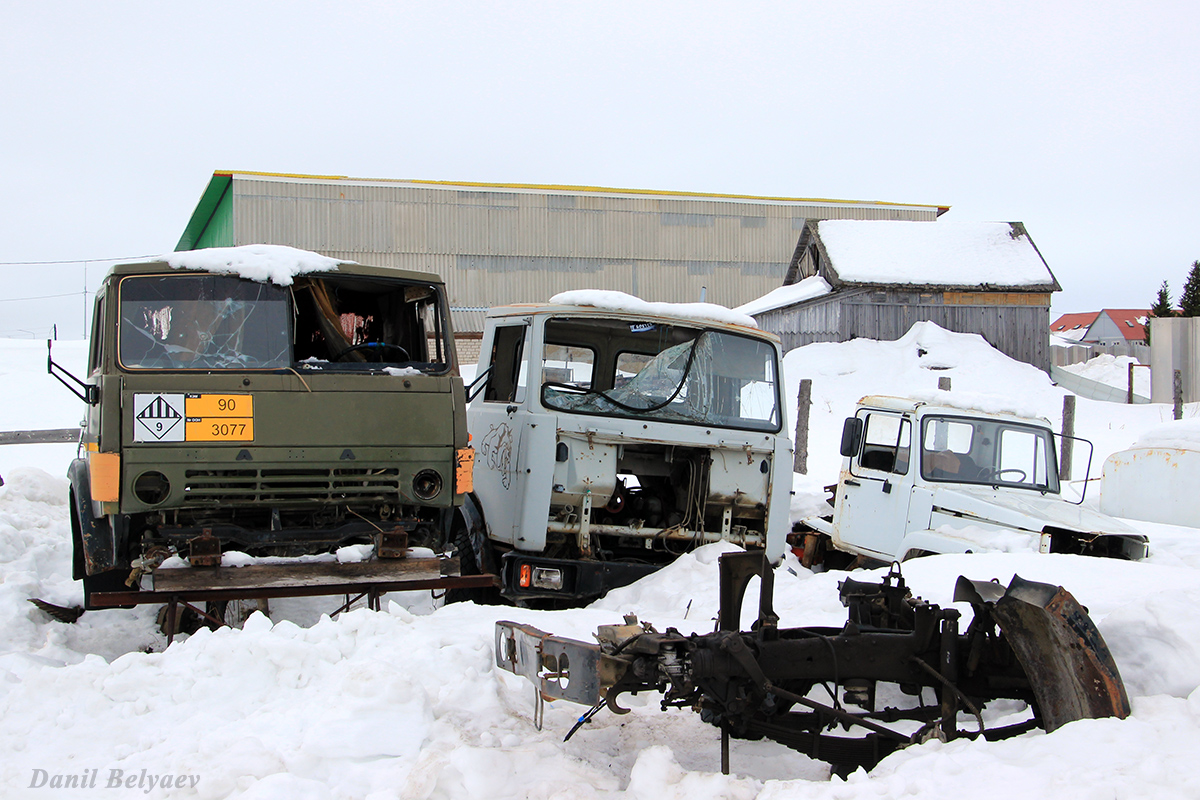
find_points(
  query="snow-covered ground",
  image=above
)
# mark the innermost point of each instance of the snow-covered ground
(1114, 371)
(406, 703)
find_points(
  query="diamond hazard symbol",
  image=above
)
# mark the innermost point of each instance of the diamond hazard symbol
(158, 418)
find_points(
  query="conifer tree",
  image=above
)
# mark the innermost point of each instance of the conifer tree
(1189, 301)
(1161, 307)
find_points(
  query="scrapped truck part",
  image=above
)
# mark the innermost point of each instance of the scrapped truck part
(921, 477)
(268, 401)
(1027, 641)
(612, 438)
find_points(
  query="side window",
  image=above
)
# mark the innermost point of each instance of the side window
(566, 364)
(628, 367)
(509, 365)
(96, 354)
(887, 443)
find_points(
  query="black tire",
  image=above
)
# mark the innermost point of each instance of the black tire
(469, 553)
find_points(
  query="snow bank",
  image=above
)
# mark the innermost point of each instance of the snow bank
(807, 289)
(1182, 434)
(619, 301)
(1113, 371)
(932, 253)
(275, 263)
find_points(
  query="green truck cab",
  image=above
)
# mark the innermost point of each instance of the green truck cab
(274, 412)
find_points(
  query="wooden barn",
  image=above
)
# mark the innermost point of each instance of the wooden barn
(874, 279)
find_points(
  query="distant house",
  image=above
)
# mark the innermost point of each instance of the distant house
(1109, 326)
(874, 279)
(1073, 327)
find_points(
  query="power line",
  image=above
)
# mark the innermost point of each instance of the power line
(73, 261)
(43, 297)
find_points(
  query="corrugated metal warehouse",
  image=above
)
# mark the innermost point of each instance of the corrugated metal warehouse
(875, 280)
(495, 244)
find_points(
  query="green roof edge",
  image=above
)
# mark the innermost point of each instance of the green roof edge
(214, 193)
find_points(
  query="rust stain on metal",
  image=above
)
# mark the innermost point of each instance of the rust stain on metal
(204, 550)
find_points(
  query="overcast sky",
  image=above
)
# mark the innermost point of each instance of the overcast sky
(1079, 119)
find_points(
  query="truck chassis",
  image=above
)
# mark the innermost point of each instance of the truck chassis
(1030, 642)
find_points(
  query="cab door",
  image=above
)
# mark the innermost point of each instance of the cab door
(496, 419)
(871, 509)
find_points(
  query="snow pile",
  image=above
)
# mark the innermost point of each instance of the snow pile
(408, 703)
(1180, 434)
(932, 253)
(1113, 371)
(627, 303)
(807, 289)
(275, 263)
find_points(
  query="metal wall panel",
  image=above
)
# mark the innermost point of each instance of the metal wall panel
(494, 246)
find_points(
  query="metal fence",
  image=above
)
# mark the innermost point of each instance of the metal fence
(1077, 354)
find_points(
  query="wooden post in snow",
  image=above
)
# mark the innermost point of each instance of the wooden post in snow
(944, 384)
(1068, 442)
(1129, 394)
(1177, 391)
(803, 407)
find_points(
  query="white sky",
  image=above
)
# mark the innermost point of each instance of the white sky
(1078, 119)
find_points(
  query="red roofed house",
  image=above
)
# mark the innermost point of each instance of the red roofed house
(1109, 326)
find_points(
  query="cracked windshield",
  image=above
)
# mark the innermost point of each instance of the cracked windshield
(663, 372)
(203, 322)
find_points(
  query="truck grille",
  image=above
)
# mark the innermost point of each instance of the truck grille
(281, 487)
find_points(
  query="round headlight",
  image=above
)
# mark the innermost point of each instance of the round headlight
(427, 484)
(151, 487)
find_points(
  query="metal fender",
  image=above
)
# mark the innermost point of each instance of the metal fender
(1070, 669)
(95, 551)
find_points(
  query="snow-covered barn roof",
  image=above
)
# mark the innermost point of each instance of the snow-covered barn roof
(974, 255)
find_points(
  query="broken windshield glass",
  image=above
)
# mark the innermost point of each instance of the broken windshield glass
(203, 322)
(668, 373)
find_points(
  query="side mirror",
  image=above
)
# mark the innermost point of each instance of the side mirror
(87, 392)
(852, 430)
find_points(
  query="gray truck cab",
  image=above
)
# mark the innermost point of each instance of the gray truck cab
(610, 441)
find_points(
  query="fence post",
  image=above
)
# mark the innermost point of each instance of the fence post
(1129, 394)
(1177, 390)
(1068, 443)
(803, 407)
(944, 384)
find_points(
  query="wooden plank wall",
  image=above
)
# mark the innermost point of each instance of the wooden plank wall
(1020, 331)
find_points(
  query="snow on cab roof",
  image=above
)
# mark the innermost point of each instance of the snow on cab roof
(619, 301)
(278, 264)
(938, 400)
(933, 253)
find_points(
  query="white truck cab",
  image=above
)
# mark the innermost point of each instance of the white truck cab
(611, 440)
(921, 478)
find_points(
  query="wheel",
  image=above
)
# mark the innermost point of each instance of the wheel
(375, 348)
(232, 613)
(469, 554)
